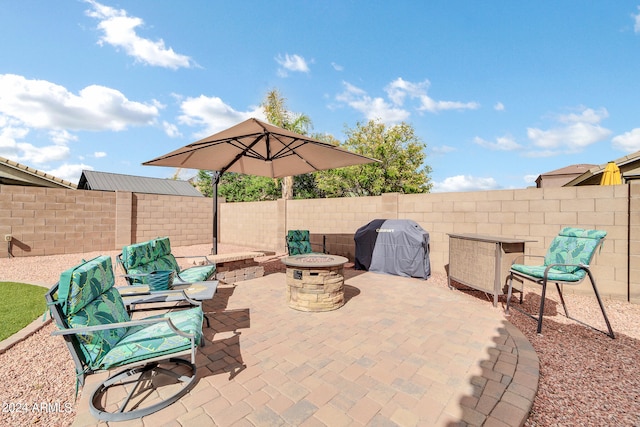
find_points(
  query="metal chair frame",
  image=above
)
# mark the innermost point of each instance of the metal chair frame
(139, 375)
(543, 282)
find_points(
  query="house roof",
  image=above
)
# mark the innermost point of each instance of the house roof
(629, 167)
(105, 181)
(570, 170)
(14, 173)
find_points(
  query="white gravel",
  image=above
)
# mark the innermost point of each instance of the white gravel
(586, 378)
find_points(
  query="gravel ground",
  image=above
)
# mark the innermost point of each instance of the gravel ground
(586, 378)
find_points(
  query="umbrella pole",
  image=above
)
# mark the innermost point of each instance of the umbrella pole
(215, 178)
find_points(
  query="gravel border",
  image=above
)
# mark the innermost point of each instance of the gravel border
(586, 378)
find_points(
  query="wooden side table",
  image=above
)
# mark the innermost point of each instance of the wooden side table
(483, 262)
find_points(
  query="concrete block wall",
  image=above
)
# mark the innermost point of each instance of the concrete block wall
(259, 225)
(634, 243)
(185, 220)
(51, 221)
(54, 221)
(537, 214)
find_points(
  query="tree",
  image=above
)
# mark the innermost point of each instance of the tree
(401, 168)
(276, 112)
(236, 187)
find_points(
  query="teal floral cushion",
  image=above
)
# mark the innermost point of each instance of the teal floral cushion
(136, 254)
(140, 259)
(143, 253)
(298, 242)
(105, 308)
(146, 342)
(553, 275)
(81, 284)
(197, 274)
(572, 246)
(160, 247)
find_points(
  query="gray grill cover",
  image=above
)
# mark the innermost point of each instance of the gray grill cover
(393, 246)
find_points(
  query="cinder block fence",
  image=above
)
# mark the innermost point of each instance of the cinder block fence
(54, 221)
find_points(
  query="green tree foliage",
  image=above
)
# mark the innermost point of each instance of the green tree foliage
(275, 110)
(401, 169)
(236, 187)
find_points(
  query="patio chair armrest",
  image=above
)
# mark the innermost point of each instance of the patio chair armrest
(523, 257)
(163, 292)
(107, 326)
(550, 266)
(208, 261)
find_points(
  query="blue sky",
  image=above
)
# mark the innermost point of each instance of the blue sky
(500, 91)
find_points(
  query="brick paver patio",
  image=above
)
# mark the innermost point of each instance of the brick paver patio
(399, 352)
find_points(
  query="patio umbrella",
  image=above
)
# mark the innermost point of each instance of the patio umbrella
(257, 148)
(611, 175)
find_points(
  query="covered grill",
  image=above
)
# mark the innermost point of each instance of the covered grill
(393, 246)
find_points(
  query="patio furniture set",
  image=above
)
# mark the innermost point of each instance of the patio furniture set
(95, 317)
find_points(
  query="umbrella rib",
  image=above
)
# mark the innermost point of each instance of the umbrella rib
(240, 154)
(290, 150)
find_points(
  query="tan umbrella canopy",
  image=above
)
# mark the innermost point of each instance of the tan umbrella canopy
(257, 148)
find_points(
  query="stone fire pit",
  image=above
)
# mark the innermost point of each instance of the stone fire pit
(315, 282)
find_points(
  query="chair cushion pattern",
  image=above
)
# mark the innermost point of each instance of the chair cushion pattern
(298, 242)
(197, 274)
(146, 342)
(143, 258)
(84, 283)
(91, 300)
(537, 271)
(145, 252)
(573, 246)
(105, 308)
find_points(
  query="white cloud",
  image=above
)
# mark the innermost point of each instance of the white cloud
(433, 106)
(399, 89)
(69, 172)
(443, 149)
(171, 130)
(371, 108)
(61, 136)
(636, 20)
(499, 106)
(464, 183)
(99, 154)
(13, 146)
(530, 179)
(213, 115)
(504, 143)
(119, 30)
(295, 63)
(337, 67)
(45, 105)
(577, 132)
(628, 141)
(38, 104)
(399, 92)
(586, 115)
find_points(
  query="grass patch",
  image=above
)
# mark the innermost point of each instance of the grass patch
(20, 304)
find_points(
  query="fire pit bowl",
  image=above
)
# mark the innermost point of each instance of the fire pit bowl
(315, 282)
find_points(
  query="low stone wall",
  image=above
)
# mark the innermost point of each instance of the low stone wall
(236, 267)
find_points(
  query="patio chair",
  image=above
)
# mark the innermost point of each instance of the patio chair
(566, 263)
(299, 243)
(140, 260)
(101, 336)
